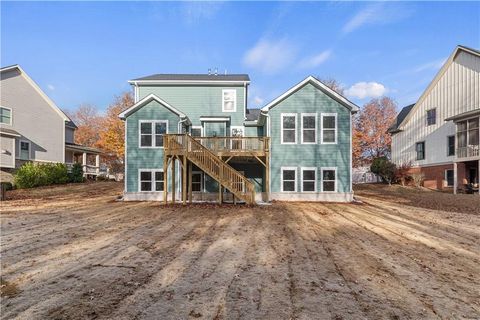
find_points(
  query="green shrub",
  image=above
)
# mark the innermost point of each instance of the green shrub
(76, 174)
(32, 175)
(384, 168)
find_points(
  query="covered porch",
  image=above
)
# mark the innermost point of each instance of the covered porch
(88, 157)
(466, 165)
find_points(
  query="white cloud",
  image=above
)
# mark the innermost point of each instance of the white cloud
(377, 13)
(362, 90)
(316, 60)
(432, 65)
(195, 11)
(257, 100)
(270, 56)
(51, 87)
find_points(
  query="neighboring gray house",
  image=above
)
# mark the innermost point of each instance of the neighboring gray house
(33, 128)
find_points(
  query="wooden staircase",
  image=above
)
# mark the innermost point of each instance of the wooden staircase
(186, 147)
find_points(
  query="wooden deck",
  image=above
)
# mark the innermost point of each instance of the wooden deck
(212, 154)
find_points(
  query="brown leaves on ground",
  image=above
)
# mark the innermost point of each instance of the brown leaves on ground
(420, 197)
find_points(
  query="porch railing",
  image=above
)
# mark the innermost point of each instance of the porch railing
(235, 144)
(87, 169)
(468, 151)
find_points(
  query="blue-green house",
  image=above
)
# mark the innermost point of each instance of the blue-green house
(191, 137)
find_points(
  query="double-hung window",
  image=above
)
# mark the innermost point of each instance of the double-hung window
(309, 179)
(229, 100)
(289, 179)
(309, 128)
(431, 117)
(420, 150)
(450, 145)
(151, 180)
(5, 115)
(329, 179)
(329, 128)
(24, 150)
(289, 128)
(151, 133)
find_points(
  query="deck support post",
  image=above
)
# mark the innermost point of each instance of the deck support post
(190, 196)
(184, 180)
(455, 178)
(220, 195)
(165, 180)
(173, 179)
(267, 176)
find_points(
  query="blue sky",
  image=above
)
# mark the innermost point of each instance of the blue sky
(84, 52)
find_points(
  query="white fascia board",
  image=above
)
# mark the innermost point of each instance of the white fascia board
(310, 79)
(146, 100)
(38, 89)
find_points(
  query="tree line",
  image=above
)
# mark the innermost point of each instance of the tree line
(107, 132)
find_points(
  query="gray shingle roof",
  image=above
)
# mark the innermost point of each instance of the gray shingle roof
(196, 77)
(400, 117)
(252, 114)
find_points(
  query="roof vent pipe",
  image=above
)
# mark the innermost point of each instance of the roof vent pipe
(216, 71)
(209, 71)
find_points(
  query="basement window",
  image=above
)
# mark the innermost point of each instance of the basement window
(329, 179)
(151, 180)
(289, 179)
(309, 179)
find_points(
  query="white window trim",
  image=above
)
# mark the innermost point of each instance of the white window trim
(321, 179)
(198, 127)
(153, 122)
(202, 181)
(234, 100)
(20, 149)
(153, 179)
(301, 127)
(446, 178)
(336, 127)
(281, 127)
(314, 181)
(11, 115)
(281, 177)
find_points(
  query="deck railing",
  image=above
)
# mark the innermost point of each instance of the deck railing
(468, 151)
(202, 157)
(235, 144)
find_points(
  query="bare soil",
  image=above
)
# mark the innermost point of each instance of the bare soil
(75, 253)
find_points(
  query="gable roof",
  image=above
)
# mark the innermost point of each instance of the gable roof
(37, 88)
(437, 77)
(400, 117)
(193, 78)
(317, 83)
(147, 99)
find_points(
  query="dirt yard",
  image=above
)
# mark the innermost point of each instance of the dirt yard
(76, 253)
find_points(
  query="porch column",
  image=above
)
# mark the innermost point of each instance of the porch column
(84, 161)
(97, 163)
(455, 178)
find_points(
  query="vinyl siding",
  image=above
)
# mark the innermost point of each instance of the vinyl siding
(197, 101)
(456, 92)
(145, 158)
(310, 99)
(33, 118)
